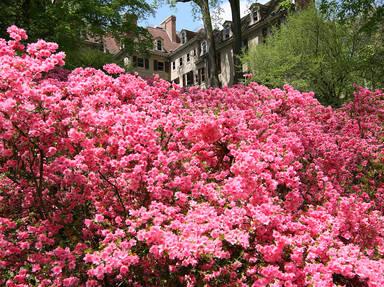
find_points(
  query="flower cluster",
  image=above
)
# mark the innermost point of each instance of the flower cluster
(118, 181)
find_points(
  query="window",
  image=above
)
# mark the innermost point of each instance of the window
(189, 78)
(226, 32)
(158, 66)
(255, 16)
(140, 62)
(173, 65)
(202, 75)
(184, 37)
(159, 45)
(188, 57)
(203, 47)
(181, 61)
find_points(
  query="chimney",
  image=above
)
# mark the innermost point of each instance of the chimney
(131, 20)
(169, 25)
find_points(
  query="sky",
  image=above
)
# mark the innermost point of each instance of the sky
(185, 18)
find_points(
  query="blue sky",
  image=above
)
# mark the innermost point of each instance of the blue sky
(185, 18)
(183, 13)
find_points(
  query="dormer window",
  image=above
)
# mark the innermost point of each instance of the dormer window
(255, 16)
(226, 32)
(159, 45)
(203, 47)
(184, 37)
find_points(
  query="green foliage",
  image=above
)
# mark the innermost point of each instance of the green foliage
(371, 11)
(69, 22)
(314, 53)
(89, 57)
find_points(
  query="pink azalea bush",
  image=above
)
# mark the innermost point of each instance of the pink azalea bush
(117, 181)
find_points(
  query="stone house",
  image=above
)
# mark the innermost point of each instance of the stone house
(181, 57)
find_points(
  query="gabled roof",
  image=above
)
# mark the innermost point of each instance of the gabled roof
(158, 32)
(227, 22)
(190, 34)
(199, 35)
(111, 44)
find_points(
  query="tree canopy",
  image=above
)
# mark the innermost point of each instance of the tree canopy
(313, 52)
(68, 22)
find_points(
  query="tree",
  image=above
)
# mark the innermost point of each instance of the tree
(371, 11)
(69, 22)
(237, 39)
(204, 6)
(237, 35)
(313, 53)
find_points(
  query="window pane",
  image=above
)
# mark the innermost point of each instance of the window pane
(140, 62)
(160, 66)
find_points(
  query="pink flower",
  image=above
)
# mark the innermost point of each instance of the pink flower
(56, 270)
(105, 175)
(113, 69)
(99, 218)
(248, 76)
(123, 270)
(17, 33)
(70, 281)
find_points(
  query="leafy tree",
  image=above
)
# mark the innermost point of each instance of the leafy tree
(69, 22)
(313, 53)
(370, 11)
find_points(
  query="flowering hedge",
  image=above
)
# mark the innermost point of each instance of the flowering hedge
(110, 180)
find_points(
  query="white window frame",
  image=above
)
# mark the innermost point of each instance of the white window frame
(157, 42)
(226, 32)
(203, 47)
(183, 37)
(256, 13)
(140, 60)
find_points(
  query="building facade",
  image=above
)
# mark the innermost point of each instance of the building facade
(182, 57)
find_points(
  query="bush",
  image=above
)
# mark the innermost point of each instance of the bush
(115, 181)
(90, 57)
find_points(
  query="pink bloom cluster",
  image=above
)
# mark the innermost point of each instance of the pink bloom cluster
(117, 181)
(113, 69)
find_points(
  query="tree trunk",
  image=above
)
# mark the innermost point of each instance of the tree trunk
(213, 79)
(237, 40)
(26, 14)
